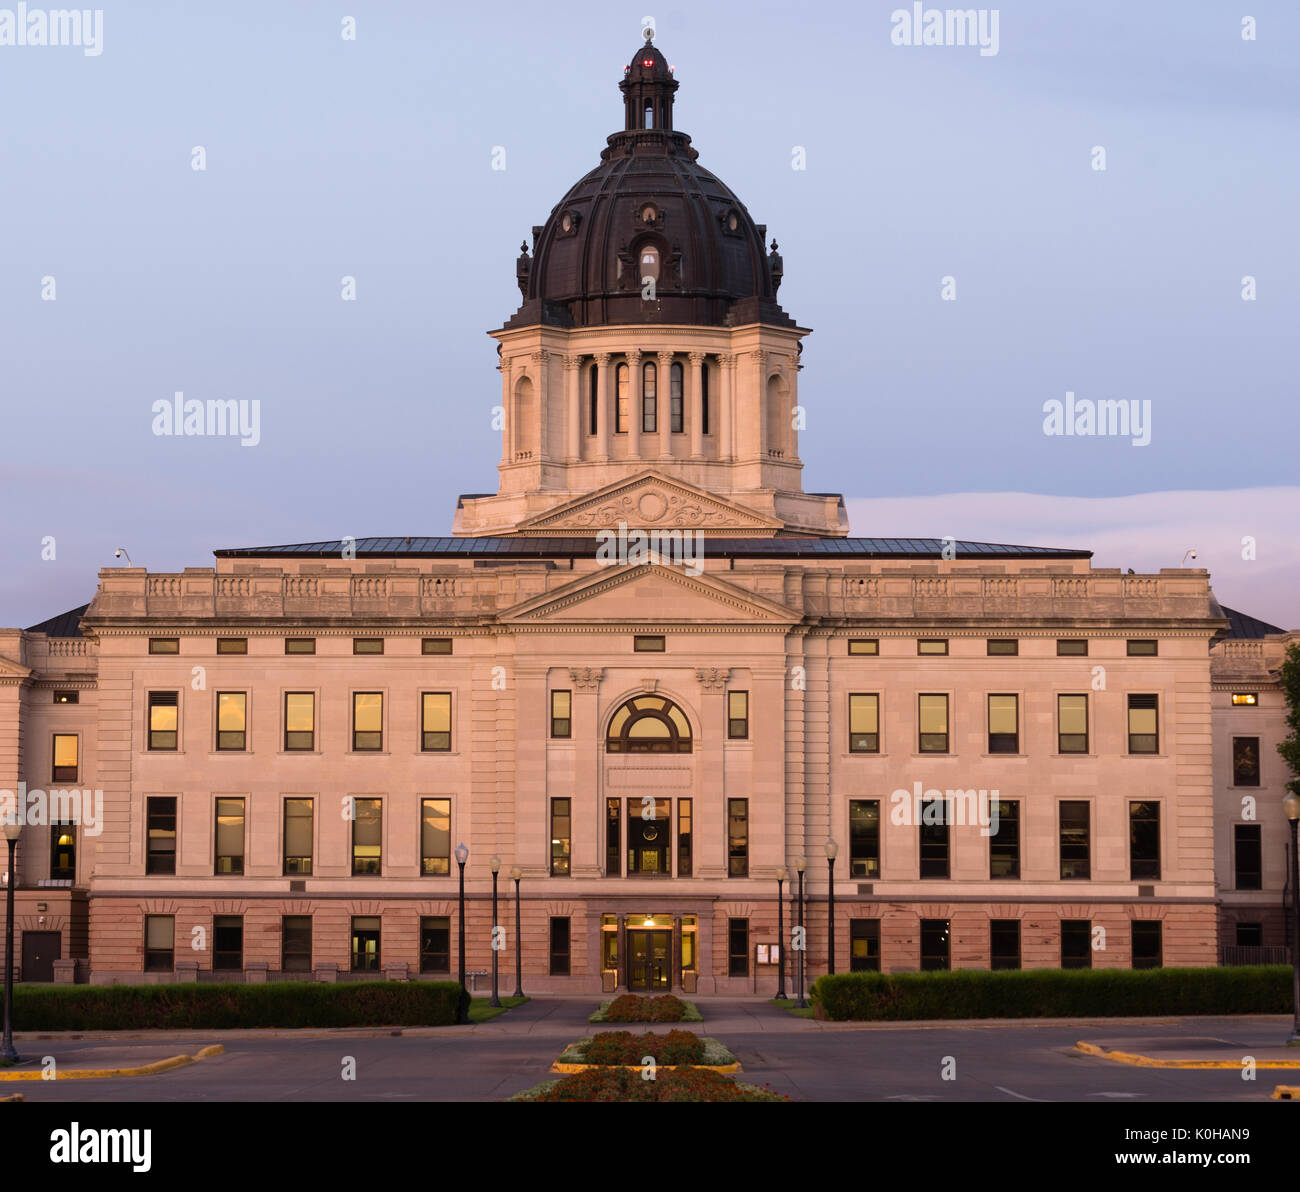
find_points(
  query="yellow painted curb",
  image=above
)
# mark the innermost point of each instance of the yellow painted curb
(1287, 1092)
(15, 1097)
(1146, 1061)
(175, 1061)
(571, 1069)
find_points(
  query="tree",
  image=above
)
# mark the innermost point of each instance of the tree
(1290, 748)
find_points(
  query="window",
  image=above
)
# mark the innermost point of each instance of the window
(621, 383)
(1072, 647)
(435, 645)
(1245, 761)
(934, 945)
(649, 836)
(593, 401)
(934, 838)
(649, 254)
(232, 645)
(683, 838)
(63, 850)
(864, 645)
(932, 645)
(367, 836)
(230, 836)
(934, 724)
(163, 717)
(1076, 850)
(1240, 699)
(435, 944)
(435, 837)
(562, 714)
(1250, 935)
(160, 833)
(1004, 844)
(367, 645)
(295, 943)
(649, 724)
(159, 943)
(561, 837)
(737, 837)
(613, 837)
(676, 419)
(1072, 723)
(1248, 855)
(299, 645)
(1004, 943)
(1144, 841)
(1003, 646)
(435, 721)
(704, 399)
(365, 943)
(649, 399)
(1147, 943)
(864, 838)
(299, 721)
(67, 697)
(647, 644)
(737, 715)
(1142, 734)
(560, 938)
(738, 947)
(232, 720)
(298, 815)
(367, 720)
(1004, 724)
(64, 768)
(1076, 943)
(864, 945)
(864, 723)
(228, 942)
(164, 645)
(1143, 648)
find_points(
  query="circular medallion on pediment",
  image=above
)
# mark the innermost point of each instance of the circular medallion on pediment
(652, 505)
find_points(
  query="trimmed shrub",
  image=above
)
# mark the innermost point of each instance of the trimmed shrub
(620, 1084)
(286, 1004)
(630, 1008)
(623, 1047)
(1053, 993)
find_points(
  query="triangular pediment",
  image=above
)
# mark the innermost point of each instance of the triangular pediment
(650, 500)
(9, 669)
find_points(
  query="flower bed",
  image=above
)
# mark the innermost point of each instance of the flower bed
(669, 1084)
(631, 1008)
(625, 1049)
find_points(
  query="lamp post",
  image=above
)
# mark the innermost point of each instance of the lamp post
(517, 873)
(1291, 809)
(462, 855)
(495, 863)
(781, 875)
(800, 864)
(831, 849)
(13, 829)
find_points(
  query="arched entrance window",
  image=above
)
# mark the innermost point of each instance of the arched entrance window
(649, 724)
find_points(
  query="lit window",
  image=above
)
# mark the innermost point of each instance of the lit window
(436, 721)
(1244, 699)
(864, 645)
(232, 720)
(367, 720)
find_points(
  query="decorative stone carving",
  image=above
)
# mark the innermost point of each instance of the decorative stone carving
(713, 678)
(586, 678)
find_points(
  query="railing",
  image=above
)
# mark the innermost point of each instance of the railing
(1232, 954)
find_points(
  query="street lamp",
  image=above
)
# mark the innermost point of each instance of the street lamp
(517, 873)
(831, 849)
(781, 875)
(800, 864)
(13, 829)
(462, 855)
(1291, 809)
(495, 862)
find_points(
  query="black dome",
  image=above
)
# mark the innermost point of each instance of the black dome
(649, 195)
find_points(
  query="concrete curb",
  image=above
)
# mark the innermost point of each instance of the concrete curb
(175, 1061)
(1146, 1061)
(571, 1069)
(1286, 1092)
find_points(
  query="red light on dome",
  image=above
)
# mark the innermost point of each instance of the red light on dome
(647, 61)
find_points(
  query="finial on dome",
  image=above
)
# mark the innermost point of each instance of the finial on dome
(648, 33)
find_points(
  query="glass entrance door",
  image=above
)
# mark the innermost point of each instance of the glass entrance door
(649, 960)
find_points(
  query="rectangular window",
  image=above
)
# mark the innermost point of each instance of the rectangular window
(675, 399)
(934, 724)
(367, 645)
(164, 645)
(160, 831)
(1004, 943)
(1144, 841)
(1004, 844)
(228, 942)
(1248, 854)
(1250, 935)
(684, 838)
(435, 721)
(864, 645)
(562, 714)
(63, 850)
(1076, 841)
(299, 645)
(1142, 648)
(561, 837)
(737, 715)
(299, 721)
(934, 945)
(1076, 943)
(1004, 724)
(649, 401)
(295, 943)
(1003, 646)
(934, 838)
(298, 816)
(164, 711)
(648, 644)
(230, 836)
(1072, 647)
(366, 932)
(435, 837)
(1072, 723)
(560, 940)
(613, 837)
(367, 836)
(232, 720)
(864, 945)
(738, 947)
(704, 399)
(1143, 736)
(864, 723)
(367, 720)
(864, 838)
(232, 645)
(1148, 943)
(932, 645)
(737, 837)
(1240, 699)
(435, 645)
(64, 768)
(159, 943)
(435, 944)
(74, 697)
(1245, 761)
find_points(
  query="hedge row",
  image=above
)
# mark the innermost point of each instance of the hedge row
(1053, 993)
(216, 1007)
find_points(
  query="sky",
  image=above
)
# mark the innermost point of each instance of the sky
(373, 158)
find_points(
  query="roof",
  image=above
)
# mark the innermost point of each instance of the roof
(64, 625)
(585, 548)
(1243, 625)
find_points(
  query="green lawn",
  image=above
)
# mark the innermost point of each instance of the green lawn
(791, 1006)
(480, 1011)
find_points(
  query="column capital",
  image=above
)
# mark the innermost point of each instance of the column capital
(571, 362)
(728, 359)
(633, 356)
(601, 359)
(698, 358)
(666, 356)
(540, 356)
(586, 678)
(712, 678)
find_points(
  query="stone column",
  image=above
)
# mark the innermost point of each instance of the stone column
(587, 797)
(726, 439)
(693, 400)
(633, 404)
(710, 807)
(604, 409)
(759, 361)
(573, 400)
(665, 413)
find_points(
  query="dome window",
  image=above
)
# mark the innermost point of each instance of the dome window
(648, 214)
(649, 263)
(569, 222)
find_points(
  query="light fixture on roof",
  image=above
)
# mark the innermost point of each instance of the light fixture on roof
(117, 554)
